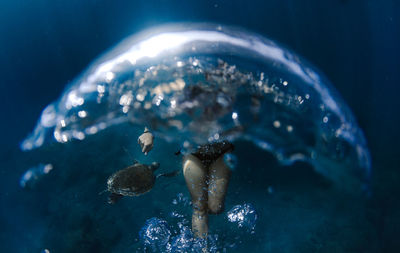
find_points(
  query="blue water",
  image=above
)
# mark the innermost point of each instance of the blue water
(299, 202)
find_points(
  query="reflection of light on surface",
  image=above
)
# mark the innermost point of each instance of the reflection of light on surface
(172, 42)
(62, 123)
(179, 64)
(285, 83)
(325, 119)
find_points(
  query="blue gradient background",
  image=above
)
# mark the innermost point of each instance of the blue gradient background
(44, 44)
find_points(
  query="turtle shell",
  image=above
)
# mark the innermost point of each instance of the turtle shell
(132, 181)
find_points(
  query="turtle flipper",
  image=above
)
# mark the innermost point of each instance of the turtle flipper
(169, 174)
(113, 198)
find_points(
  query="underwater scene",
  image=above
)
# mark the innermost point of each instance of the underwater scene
(200, 133)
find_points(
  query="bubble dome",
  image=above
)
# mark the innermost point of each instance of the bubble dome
(196, 83)
(300, 159)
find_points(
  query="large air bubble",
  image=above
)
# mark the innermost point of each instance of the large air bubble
(197, 83)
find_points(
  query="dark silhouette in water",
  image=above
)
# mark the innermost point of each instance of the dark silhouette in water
(134, 180)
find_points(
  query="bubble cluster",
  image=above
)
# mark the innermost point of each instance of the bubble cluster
(155, 234)
(245, 216)
(182, 242)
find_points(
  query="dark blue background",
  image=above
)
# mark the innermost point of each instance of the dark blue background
(44, 44)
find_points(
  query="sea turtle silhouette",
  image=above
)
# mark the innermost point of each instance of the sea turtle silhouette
(134, 180)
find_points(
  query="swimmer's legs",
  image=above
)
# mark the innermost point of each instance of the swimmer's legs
(219, 174)
(196, 180)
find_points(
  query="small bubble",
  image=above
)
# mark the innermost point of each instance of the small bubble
(82, 114)
(101, 89)
(234, 115)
